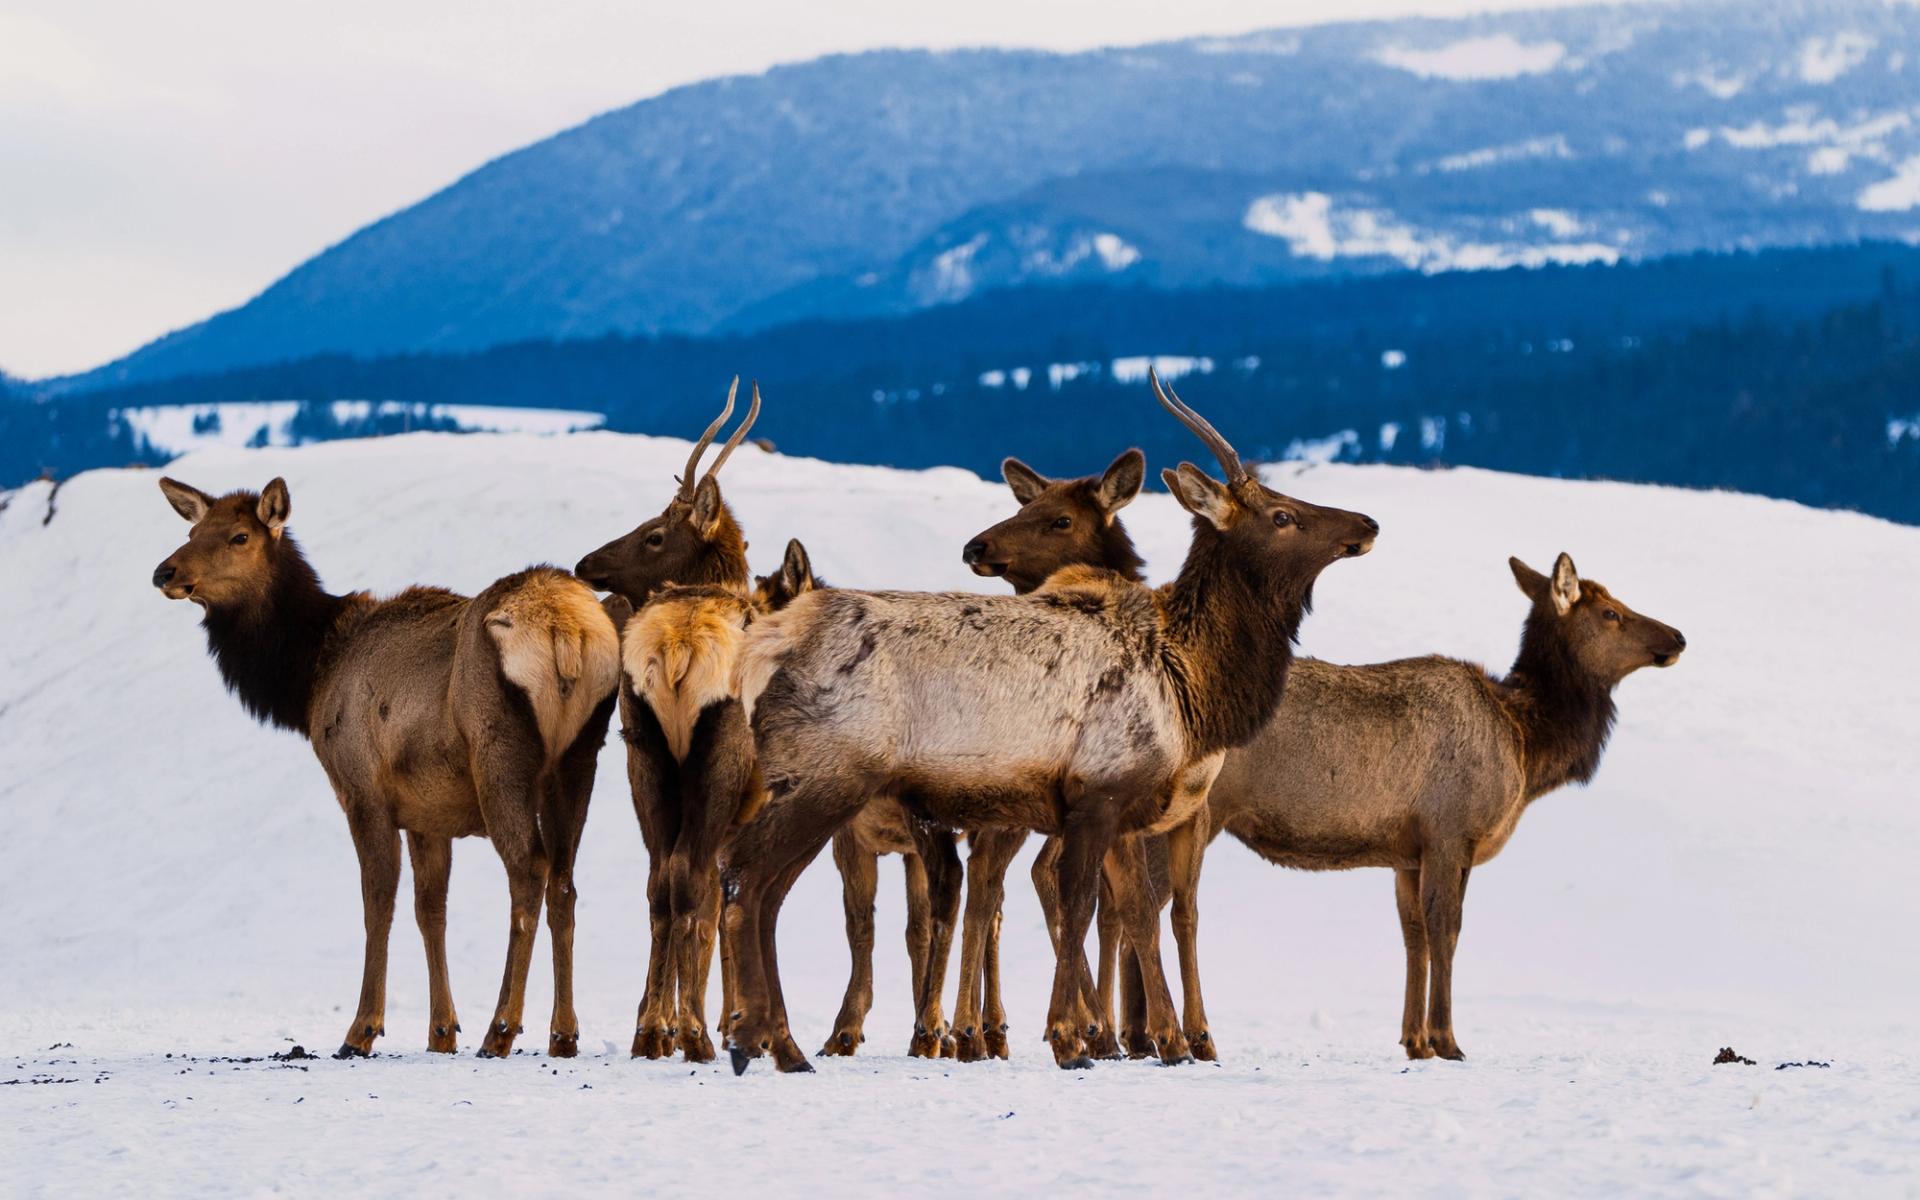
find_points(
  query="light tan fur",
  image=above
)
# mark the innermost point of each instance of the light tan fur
(681, 654)
(558, 646)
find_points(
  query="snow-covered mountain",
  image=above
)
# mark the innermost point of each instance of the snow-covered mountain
(180, 882)
(893, 180)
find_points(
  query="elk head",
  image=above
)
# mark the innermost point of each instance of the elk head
(231, 553)
(771, 593)
(1274, 533)
(1606, 639)
(694, 541)
(1061, 523)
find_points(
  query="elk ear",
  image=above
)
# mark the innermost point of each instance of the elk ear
(1200, 494)
(707, 507)
(187, 500)
(1532, 583)
(1023, 479)
(796, 571)
(1566, 585)
(275, 506)
(1122, 482)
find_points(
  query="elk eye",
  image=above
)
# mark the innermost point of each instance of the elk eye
(655, 540)
(1282, 518)
(238, 539)
(1063, 523)
(1611, 615)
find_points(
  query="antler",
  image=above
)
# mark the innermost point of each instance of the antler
(753, 413)
(706, 439)
(1202, 429)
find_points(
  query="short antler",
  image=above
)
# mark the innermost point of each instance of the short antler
(753, 413)
(706, 439)
(1202, 429)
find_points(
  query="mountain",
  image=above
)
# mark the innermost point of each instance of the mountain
(890, 181)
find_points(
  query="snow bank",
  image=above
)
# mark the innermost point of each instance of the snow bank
(1501, 56)
(180, 880)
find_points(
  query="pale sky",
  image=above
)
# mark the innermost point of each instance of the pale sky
(161, 162)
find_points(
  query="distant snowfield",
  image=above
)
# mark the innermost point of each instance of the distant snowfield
(181, 428)
(1315, 225)
(1501, 56)
(179, 881)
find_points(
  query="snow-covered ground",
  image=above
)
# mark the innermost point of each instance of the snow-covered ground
(180, 891)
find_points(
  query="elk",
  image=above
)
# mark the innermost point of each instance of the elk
(932, 869)
(1454, 757)
(1079, 513)
(689, 755)
(435, 714)
(1089, 709)
(1059, 522)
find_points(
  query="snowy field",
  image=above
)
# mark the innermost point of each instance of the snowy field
(180, 892)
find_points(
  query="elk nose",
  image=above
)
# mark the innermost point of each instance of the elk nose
(975, 551)
(1370, 523)
(1680, 639)
(162, 574)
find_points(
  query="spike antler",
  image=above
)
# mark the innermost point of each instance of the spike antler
(706, 439)
(1202, 429)
(753, 414)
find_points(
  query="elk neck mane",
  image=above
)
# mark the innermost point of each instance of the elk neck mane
(1231, 630)
(1564, 712)
(270, 650)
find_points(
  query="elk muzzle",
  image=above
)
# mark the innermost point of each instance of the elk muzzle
(978, 555)
(166, 577)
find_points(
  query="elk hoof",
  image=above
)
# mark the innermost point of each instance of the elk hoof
(563, 1045)
(349, 1050)
(840, 1044)
(741, 1059)
(1082, 1063)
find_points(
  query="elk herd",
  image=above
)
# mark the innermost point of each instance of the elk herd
(764, 718)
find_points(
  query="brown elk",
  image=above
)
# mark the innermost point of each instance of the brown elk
(435, 714)
(1090, 709)
(932, 869)
(1076, 513)
(1454, 756)
(1060, 522)
(689, 756)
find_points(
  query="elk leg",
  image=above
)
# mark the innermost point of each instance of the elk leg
(787, 1055)
(995, 1013)
(1103, 1043)
(859, 881)
(780, 842)
(570, 790)
(432, 861)
(1133, 894)
(1443, 890)
(945, 876)
(695, 1043)
(652, 1036)
(509, 797)
(1413, 932)
(1186, 851)
(653, 775)
(709, 943)
(1133, 1005)
(989, 854)
(1046, 886)
(1088, 832)
(377, 843)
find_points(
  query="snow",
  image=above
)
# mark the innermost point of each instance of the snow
(950, 275)
(179, 428)
(1314, 226)
(1720, 87)
(1393, 360)
(1825, 59)
(1133, 369)
(1114, 251)
(1554, 146)
(180, 881)
(1501, 56)
(1558, 221)
(1897, 194)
